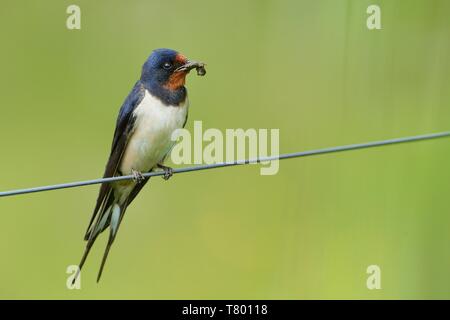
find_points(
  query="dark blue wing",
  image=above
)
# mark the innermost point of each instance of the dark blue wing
(124, 129)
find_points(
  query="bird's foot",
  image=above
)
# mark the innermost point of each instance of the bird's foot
(168, 171)
(138, 177)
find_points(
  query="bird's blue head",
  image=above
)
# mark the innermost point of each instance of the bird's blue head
(164, 75)
(164, 68)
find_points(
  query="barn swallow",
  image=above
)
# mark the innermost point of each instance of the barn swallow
(156, 107)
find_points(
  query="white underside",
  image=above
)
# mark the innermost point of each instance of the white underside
(151, 139)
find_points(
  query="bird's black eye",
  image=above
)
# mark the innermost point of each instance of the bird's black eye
(167, 65)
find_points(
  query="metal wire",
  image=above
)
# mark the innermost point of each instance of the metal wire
(234, 163)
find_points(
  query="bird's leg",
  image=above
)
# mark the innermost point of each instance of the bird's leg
(168, 171)
(137, 176)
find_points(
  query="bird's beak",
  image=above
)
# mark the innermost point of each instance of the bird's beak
(190, 64)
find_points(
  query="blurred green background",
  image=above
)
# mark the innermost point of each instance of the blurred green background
(311, 69)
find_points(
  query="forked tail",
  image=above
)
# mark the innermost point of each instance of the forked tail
(110, 215)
